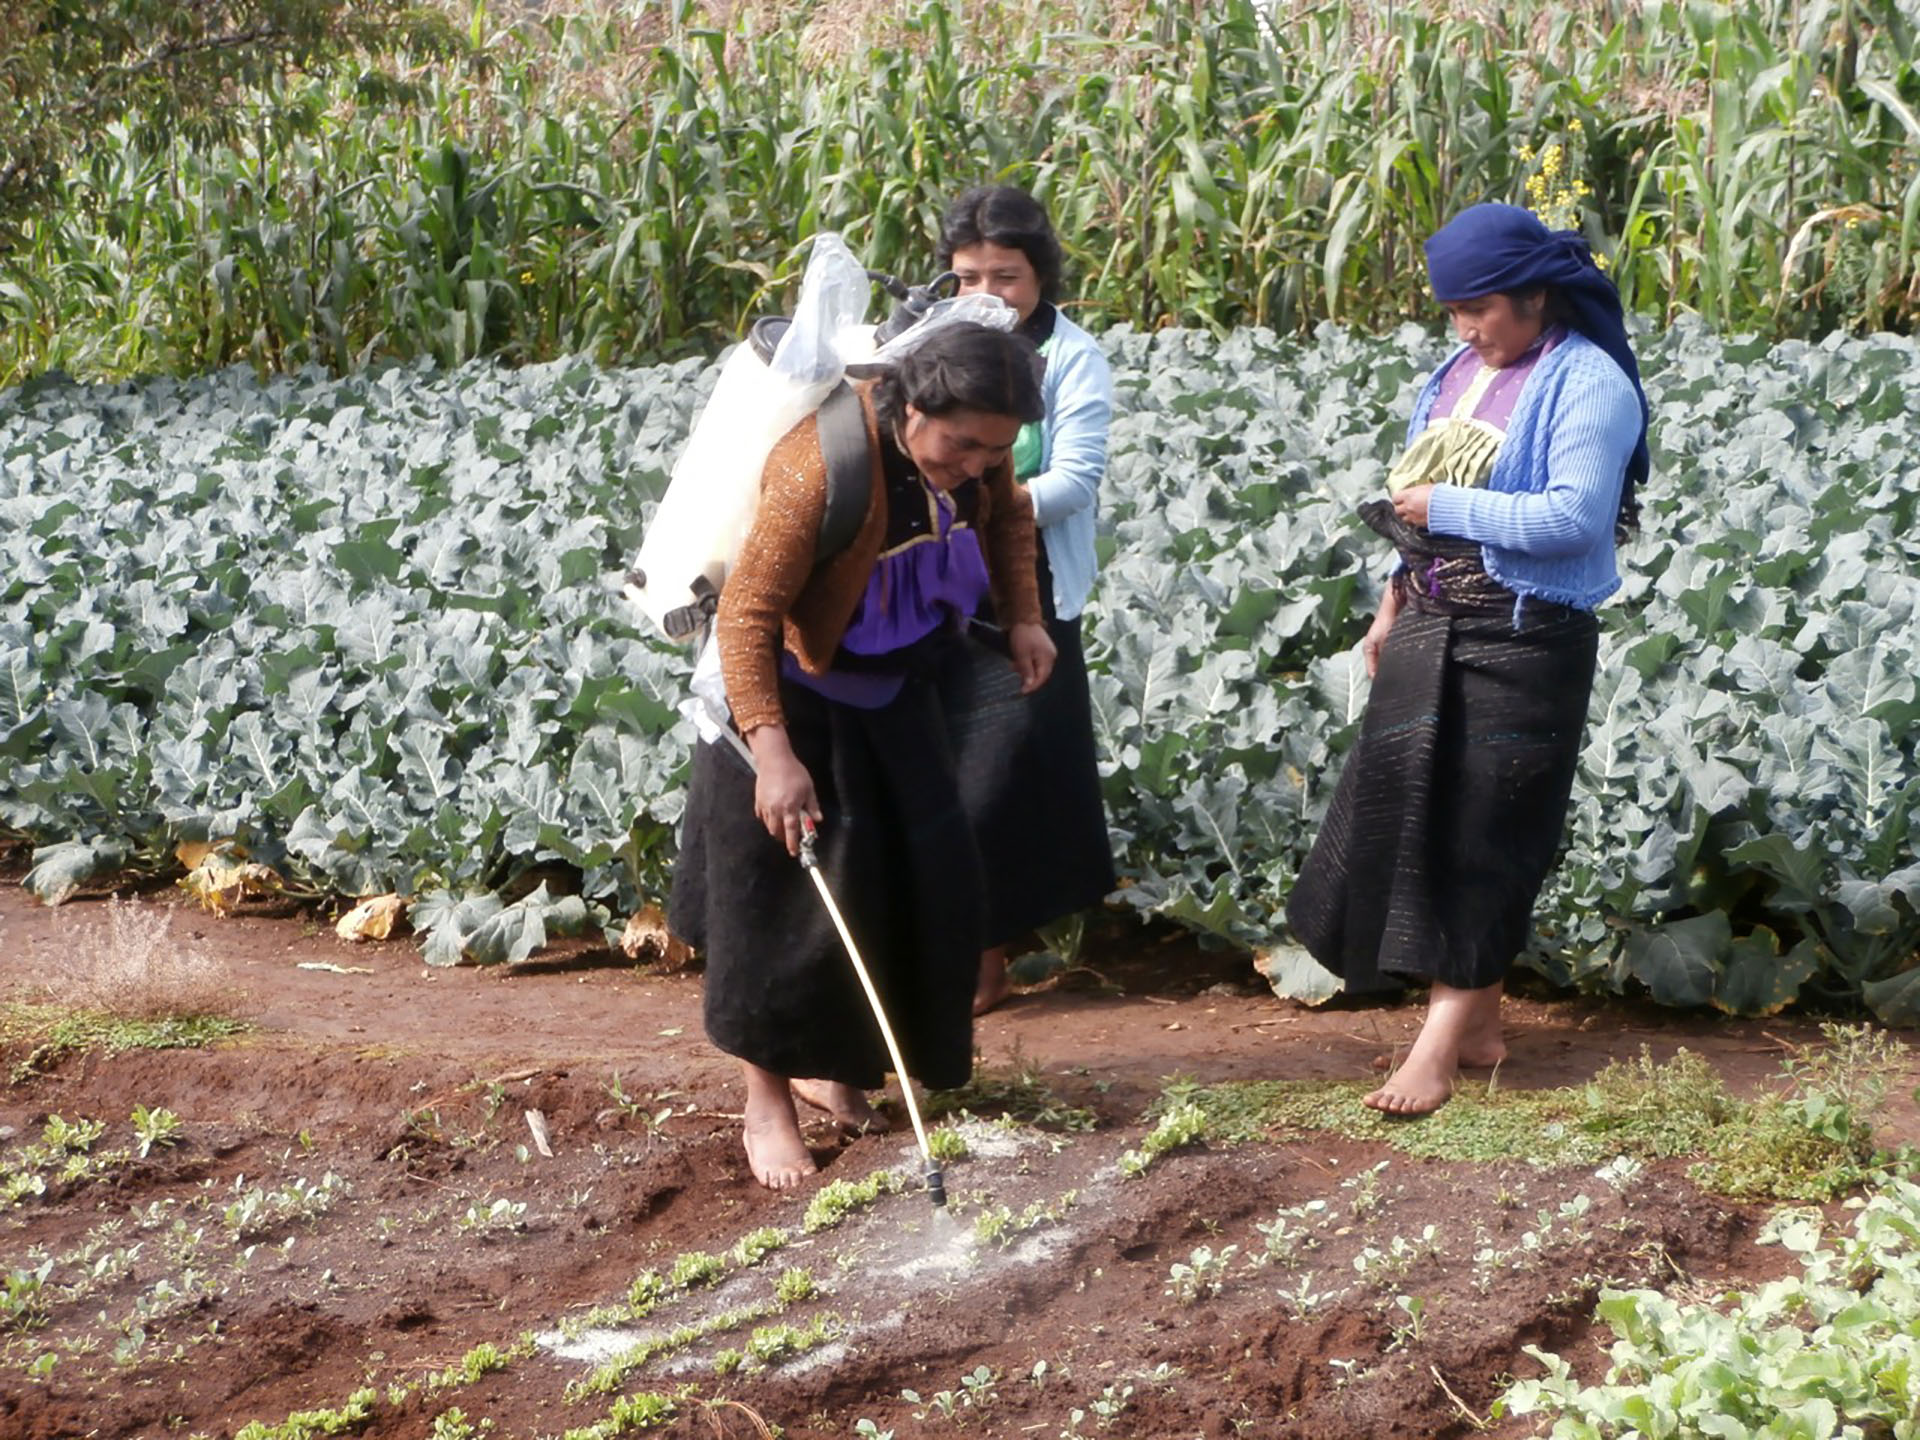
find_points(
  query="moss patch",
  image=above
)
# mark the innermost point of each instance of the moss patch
(54, 1033)
(1759, 1149)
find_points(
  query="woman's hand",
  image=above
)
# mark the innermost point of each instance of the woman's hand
(1033, 655)
(1410, 504)
(1376, 635)
(783, 795)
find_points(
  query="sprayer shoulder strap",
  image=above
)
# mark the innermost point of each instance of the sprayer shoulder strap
(843, 445)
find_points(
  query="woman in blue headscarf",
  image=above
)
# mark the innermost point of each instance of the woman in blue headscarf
(1522, 459)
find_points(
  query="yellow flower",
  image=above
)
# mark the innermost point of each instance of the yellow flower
(526, 277)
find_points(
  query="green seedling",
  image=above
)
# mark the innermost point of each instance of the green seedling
(305, 1424)
(794, 1286)
(611, 1375)
(770, 1344)
(1413, 1329)
(23, 1303)
(486, 1216)
(837, 1199)
(1366, 1198)
(756, 1245)
(649, 1109)
(695, 1269)
(254, 1212)
(998, 1225)
(1183, 1124)
(980, 1386)
(642, 1411)
(1017, 1091)
(154, 1127)
(946, 1144)
(58, 1135)
(482, 1359)
(453, 1425)
(1303, 1299)
(646, 1291)
(1201, 1275)
(1293, 1231)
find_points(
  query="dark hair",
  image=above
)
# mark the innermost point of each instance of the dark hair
(964, 367)
(1010, 218)
(1553, 310)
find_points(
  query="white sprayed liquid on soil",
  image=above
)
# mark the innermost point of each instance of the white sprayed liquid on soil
(872, 1266)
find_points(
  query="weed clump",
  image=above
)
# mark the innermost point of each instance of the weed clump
(1658, 1109)
(127, 985)
(131, 965)
(1018, 1090)
(1813, 1141)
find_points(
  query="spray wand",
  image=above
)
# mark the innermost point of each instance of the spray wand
(936, 1183)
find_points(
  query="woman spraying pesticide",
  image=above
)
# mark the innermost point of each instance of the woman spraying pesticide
(830, 674)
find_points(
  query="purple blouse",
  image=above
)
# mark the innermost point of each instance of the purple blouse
(930, 576)
(1502, 392)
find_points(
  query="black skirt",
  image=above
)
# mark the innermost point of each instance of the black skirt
(899, 858)
(1451, 808)
(1030, 782)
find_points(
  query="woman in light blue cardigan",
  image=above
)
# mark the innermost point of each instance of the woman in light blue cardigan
(1028, 772)
(1523, 456)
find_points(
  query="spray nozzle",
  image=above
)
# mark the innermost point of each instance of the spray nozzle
(913, 301)
(936, 1187)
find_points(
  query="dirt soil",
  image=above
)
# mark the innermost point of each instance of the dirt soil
(356, 1198)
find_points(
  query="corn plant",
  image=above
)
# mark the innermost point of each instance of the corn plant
(579, 184)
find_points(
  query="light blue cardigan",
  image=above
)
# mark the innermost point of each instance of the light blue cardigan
(1078, 389)
(1545, 519)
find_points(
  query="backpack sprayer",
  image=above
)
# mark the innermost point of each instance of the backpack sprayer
(789, 368)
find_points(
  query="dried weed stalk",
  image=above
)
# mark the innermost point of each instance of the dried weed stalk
(131, 964)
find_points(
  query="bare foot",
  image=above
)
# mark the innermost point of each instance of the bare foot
(777, 1154)
(993, 987)
(1411, 1092)
(1459, 1022)
(1473, 1056)
(847, 1104)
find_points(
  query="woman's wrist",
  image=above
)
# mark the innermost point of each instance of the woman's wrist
(769, 742)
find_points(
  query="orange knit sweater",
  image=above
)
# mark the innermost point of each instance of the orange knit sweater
(773, 594)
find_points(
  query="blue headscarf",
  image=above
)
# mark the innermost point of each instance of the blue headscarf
(1489, 249)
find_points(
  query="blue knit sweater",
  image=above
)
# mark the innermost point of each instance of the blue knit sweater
(1545, 519)
(1078, 389)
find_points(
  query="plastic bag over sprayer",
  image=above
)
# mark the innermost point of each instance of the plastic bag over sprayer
(715, 487)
